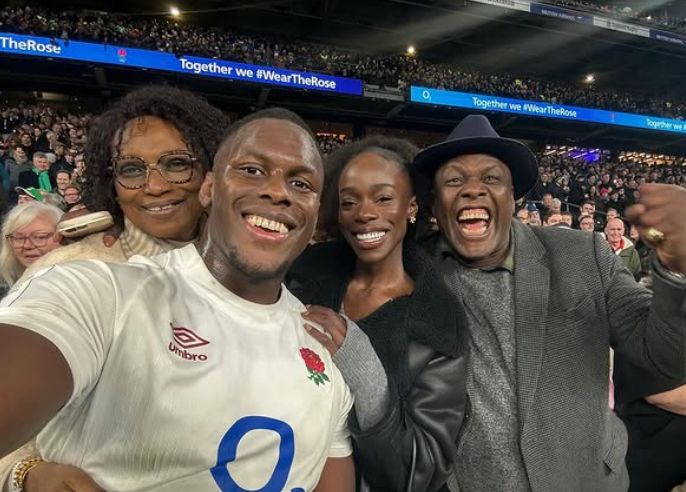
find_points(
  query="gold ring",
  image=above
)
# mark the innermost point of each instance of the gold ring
(655, 236)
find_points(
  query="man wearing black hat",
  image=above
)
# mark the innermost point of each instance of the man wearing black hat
(544, 306)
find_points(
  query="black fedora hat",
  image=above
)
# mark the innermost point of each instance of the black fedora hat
(475, 135)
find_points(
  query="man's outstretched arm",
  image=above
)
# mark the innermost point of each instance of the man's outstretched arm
(35, 382)
(338, 476)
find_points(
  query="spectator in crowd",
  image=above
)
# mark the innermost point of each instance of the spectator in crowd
(79, 167)
(28, 233)
(642, 248)
(542, 309)
(546, 203)
(268, 170)
(62, 180)
(5, 181)
(395, 360)
(622, 246)
(72, 197)
(25, 195)
(329, 143)
(39, 175)
(567, 218)
(589, 208)
(523, 215)
(553, 218)
(611, 213)
(17, 164)
(40, 141)
(586, 223)
(535, 217)
(543, 187)
(27, 145)
(62, 158)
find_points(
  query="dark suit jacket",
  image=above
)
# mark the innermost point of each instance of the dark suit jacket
(29, 179)
(574, 298)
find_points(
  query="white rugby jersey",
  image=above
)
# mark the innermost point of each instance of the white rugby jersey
(181, 385)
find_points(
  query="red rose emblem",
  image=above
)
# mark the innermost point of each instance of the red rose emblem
(314, 365)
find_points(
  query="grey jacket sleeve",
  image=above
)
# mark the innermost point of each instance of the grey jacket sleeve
(648, 329)
(364, 374)
(414, 446)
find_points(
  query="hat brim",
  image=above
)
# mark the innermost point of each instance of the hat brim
(514, 154)
(27, 192)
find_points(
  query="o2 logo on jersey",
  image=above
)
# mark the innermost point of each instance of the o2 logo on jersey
(229, 444)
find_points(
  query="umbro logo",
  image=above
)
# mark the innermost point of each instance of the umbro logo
(183, 339)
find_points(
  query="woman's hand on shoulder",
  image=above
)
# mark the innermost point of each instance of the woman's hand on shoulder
(52, 477)
(334, 325)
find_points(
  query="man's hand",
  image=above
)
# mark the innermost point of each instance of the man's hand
(51, 477)
(673, 401)
(333, 323)
(663, 207)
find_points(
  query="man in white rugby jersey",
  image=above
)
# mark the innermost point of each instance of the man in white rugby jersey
(190, 370)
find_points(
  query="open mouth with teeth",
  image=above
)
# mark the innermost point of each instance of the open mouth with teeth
(162, 209)
(370, 239)
(267, 228)
(474, 222)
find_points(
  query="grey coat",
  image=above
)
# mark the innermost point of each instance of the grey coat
(574, 299)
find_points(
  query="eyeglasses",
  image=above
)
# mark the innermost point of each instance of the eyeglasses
(175, 166)
(38, 239)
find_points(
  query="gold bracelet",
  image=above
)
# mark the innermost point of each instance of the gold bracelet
(22, 469)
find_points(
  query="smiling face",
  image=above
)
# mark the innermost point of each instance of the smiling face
(265, 192)
(72, 195)
(473, 205)
(375, 204)
(62, 180)
(614, 231)
(160, 209)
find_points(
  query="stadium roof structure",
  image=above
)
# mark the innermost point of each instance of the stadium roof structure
(470, 34)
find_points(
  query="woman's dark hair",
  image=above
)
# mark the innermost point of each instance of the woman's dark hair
(394, 149)
(200, 124)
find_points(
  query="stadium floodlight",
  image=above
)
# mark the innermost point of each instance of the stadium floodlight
(590, 78)
(174, 11)
(411, 51)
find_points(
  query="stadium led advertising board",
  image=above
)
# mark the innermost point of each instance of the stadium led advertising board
(16, 44)
(483, 102)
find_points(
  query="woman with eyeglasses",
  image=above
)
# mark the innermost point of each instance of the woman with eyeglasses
(147, 157)
(28, 233)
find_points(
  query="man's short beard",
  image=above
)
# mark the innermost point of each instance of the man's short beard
(256, 273)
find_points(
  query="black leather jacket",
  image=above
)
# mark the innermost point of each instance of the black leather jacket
(415, 447)
(421, 341)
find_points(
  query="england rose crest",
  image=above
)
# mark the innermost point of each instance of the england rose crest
(315, 366)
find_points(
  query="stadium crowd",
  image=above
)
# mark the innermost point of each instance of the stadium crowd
(152, 179)
(663, 20)
(399, 71)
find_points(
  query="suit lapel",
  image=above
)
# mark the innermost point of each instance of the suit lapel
(531, 291)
